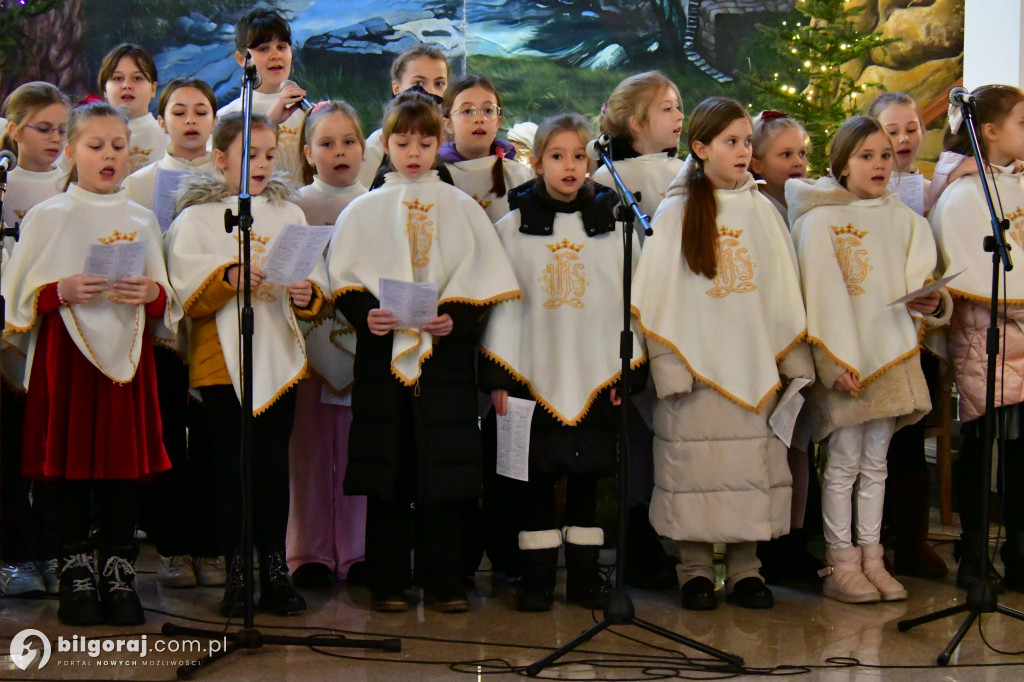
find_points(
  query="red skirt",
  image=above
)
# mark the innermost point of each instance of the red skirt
(81, 425)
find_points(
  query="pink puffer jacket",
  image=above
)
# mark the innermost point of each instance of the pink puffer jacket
(967, 353)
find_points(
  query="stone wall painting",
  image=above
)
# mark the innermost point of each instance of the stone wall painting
(545, 56)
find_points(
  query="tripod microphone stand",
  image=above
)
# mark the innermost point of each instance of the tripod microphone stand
(981, 597)
(8, 162)
(249, 637)
(619, 609)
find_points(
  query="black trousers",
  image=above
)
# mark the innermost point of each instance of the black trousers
(177, 508)
(28, 513)
(115, 512)
(397, 526)
(270, 433)
(537, 501)
(967, 480)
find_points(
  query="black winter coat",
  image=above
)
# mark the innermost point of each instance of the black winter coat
(589, 448)
(437, 418)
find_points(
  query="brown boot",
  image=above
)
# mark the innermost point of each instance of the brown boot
(844, 579)
(913, 555)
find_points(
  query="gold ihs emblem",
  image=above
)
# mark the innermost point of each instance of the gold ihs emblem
(258, 250)
(138, 157)
(735, 269)
(853, 260)
(420, 230)
(1017, 226)
(484, 203)
(564, 280)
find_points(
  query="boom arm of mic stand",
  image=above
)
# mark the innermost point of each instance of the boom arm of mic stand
(999, 227)
(629, 202)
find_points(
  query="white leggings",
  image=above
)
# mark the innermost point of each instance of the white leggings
(856, 453)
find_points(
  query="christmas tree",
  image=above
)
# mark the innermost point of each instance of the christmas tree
(812, 86)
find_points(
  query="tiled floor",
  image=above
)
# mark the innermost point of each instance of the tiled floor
(803, 630)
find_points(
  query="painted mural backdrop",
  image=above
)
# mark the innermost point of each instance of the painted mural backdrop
(545, 56)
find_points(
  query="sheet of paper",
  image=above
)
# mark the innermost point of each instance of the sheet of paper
(910, 189)
(115, 261)
(783, 419)
(295, 252)
(413, 303)
(167, 182)
(926, 289)
(514, 439)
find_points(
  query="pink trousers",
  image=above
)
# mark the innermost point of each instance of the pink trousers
(324, 525)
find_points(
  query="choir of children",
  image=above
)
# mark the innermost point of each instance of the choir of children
(527, 264)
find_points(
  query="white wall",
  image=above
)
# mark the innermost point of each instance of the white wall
(993, 42)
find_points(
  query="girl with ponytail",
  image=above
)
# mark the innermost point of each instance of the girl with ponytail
(717, 294)
(481, 165)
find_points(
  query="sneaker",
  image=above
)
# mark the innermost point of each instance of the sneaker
(176, 571)
(79, 598)
(209, 571)
(120, 601)
(48, 568)
(22, 579)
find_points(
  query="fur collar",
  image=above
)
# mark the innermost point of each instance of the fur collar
(802, 195)
(205, 188)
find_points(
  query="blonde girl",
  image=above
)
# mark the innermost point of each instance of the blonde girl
(203, 264)
(326, 528)
(92, 423)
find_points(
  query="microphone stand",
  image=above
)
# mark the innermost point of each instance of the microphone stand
(981, 597)
(4, 233)
(619, 609)
(249, 637)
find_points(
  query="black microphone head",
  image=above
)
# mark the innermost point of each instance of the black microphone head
(8, 161)
(252, 71)
(956, 94)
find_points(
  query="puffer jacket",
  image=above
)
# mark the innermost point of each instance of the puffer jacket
(970, 362)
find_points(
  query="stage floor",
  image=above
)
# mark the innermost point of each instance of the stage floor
(803, 629)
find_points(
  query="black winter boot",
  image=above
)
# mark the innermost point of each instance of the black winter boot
(276, 591)
(908, 514)
(1012, 552)
(969, 560)
(647, 565)
(538, 563)
(79, 598)
(120, 601)
(232, 604)
(584, 584)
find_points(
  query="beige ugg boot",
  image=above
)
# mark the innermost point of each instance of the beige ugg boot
(844, 580)
(874, 570)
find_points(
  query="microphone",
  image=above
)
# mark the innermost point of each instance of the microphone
(597, 145)
(8, 161)
(960, 96)
(304, 103)
(251, 73)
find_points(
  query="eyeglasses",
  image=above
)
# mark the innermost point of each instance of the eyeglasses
(488, 112)
(45, 129)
